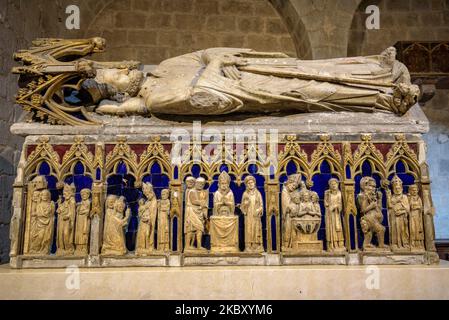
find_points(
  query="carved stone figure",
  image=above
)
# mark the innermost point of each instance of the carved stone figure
(224, 223)
(306, 220)
(43, 223)
(96, 221)
(196, 212)
(35, 200)
(316, 202)
(429, 227)
(82, 228)
(252, 209)
(290, 186)
(147, 221)
(242, 80)
(333, 204)
(416, 218)
(66, 221)
(398, 211)
(115, 221)
(227, 80)
(370, 204)
(163, 235)
(224, 197)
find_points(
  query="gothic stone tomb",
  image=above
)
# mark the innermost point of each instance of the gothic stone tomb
(218, 157)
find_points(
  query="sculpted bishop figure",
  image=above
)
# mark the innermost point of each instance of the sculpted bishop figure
(228, 80)
(217, 81)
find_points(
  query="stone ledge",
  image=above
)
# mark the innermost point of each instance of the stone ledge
(413, 122)
(302, 282)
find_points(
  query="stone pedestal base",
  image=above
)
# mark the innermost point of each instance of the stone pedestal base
(133, 261)
(241, 259)
(48, 262)
(373, 258)
(224, 234)
(318, 259)
(309, 246)
(220, 283)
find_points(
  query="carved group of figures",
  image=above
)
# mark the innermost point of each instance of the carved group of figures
(223, 224)
(72, 223)
(409, 223)
(153, 214)
(406, 215)
(410, 220)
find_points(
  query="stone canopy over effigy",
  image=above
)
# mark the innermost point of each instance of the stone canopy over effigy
(223, 156)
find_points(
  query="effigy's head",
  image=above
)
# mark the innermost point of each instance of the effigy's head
(121, 81)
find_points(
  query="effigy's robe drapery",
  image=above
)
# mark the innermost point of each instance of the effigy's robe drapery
(271, 84)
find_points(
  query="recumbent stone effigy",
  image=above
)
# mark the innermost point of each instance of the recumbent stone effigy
(295, 161)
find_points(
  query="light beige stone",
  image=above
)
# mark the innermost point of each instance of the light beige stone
(287, 282)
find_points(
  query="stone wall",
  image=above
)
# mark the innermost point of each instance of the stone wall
(153, 30)
(400, 20)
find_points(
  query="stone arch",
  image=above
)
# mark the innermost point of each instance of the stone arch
(295, 26)
(151, 31)
(324, 23)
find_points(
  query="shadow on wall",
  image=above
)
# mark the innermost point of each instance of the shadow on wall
(7, 171)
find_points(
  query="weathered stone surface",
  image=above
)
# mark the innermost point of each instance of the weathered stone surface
(131, 261)
(99, 16)
(314, 260)
(236, 260)
(414, 122)
(394, 259)
(221, 283)
(56, 262)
